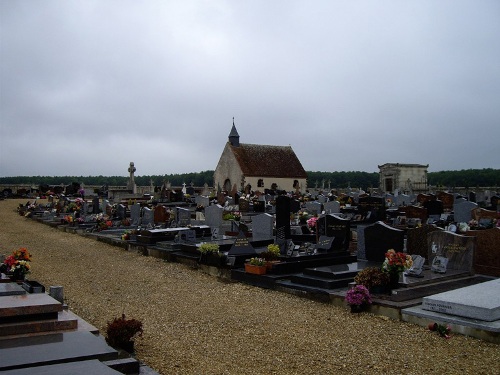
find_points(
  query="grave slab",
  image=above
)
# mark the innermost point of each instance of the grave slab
(93, 367)
(28, 304)
(63, 322)
(52, 349)
(480, 301)
(11, 289)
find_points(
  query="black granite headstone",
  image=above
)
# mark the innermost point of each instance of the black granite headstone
(294, 206)
(95, 205)
(259, 206)
(434, 207)
(379, 238)
(372, 209)
(283, 215)
(335, 226)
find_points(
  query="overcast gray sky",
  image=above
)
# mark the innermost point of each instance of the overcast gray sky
(89, 86)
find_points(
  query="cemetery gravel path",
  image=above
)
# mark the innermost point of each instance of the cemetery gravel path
(197, 324)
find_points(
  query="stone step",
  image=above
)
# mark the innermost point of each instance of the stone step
(64, 322)
(28, 306)
(338, 271)
(320, 282)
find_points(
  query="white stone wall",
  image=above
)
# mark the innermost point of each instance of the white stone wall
(227, 168)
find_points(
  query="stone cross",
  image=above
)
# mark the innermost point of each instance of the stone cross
(131, 183)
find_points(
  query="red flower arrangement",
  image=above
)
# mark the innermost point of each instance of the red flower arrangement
(18, 262)
(396, 262)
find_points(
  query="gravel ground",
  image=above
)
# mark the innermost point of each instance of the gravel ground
(196, 324)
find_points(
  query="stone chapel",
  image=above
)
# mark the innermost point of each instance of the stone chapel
(249, 167)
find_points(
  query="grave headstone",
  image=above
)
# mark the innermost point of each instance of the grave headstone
(283, 216)
(495, 203)
(462, 211)
(434, 207)
(313, 207)
(403, 200)
(135, 214)
(294, 206)
(332, 207)
(381, 237)
(95, 205)
(417, 239)
(447, 199)
(122, 211)
(161, 214)
(85, 208)
(372, 209)
(337, 228)
(104, 204)
(416, 212)
(213, 216)
(183, 216)
(147, 216)
(202, 200)
(244, 205)
(481, 198)
(487, 256)
(259, 206)
(472, 196)
(360, 235)
(458, 250)
(262, 227)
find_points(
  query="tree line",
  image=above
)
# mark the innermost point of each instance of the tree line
(468, 178)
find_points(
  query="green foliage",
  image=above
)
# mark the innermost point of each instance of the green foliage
(469, 178)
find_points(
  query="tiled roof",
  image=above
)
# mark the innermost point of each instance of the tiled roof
(268, 161)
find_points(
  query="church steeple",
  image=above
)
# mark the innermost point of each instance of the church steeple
(234, 137)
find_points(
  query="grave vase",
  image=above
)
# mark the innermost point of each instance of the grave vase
(394, 279)
(17, 276)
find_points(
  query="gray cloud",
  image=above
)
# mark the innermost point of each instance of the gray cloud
(87, 87)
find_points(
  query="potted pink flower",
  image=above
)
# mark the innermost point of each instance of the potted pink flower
(358, 297)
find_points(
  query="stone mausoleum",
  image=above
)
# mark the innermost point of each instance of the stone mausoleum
(405, 178)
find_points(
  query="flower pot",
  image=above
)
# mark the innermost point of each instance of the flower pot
(256, 270)
(17, 276)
